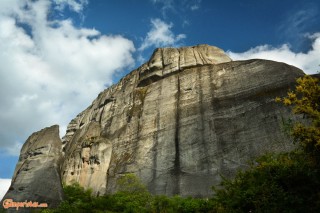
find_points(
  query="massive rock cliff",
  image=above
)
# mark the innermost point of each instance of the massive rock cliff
(178, 122)
(37, 174)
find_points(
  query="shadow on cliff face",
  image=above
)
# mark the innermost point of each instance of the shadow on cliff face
(178, 122)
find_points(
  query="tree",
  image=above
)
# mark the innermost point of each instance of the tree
(132, 195)
(130, 183)
(276, 183)
(305, 100)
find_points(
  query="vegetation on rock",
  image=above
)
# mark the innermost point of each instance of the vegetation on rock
(306, 102)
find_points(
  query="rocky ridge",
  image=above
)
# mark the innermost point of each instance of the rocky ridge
(179, 122)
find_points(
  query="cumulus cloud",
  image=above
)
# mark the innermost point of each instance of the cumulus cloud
(309, 62)
(4, 186)
(50, 69)
(160, 35)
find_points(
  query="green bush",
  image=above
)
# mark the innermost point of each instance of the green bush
(278, 183)
(77, 199)
(131, 197)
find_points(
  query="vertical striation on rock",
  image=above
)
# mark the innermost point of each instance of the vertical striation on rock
(179, 121)
(37, 174)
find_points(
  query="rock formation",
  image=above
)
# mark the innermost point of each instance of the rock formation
(37, 174)
(179, 121)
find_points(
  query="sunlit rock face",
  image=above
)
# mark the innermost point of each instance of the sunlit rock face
(37, 174)
(179, 121)
(166, 61)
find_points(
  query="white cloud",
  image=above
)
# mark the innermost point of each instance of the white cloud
(4, 186)
(75, 5)
(177, 6)
(50, 69)
(195, 5)
(309, 62)
(161, 35)
(166, 5)
(297, 22)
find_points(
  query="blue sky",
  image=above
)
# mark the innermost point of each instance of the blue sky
(57, 55)
(231, 25)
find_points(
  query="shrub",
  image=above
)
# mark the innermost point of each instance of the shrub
(286, 182)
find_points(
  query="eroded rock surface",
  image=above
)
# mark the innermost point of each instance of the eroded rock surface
(167, 61)
(179, 121)
(37, 174)
(88, 157)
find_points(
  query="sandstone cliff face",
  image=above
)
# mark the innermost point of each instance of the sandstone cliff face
(178, 122)
(37, 174)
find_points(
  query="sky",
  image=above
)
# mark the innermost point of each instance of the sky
(57, 55)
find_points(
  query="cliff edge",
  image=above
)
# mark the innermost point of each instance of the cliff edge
(179, 122)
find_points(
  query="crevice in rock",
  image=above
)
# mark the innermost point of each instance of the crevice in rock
(162, 59)
(101, 114)
(202, 58)
(179, 58)
(149, 80)
(108, 100)
(202, 117)
(81, 124)
(35, 153)
(177, 166)
(194, 55)
(71, 130)
(156, 138)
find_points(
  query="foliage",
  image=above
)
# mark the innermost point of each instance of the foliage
(166, 204)
(130, 183)
(132, 196)
(286, 182)
(77, 199)
(305, 100)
